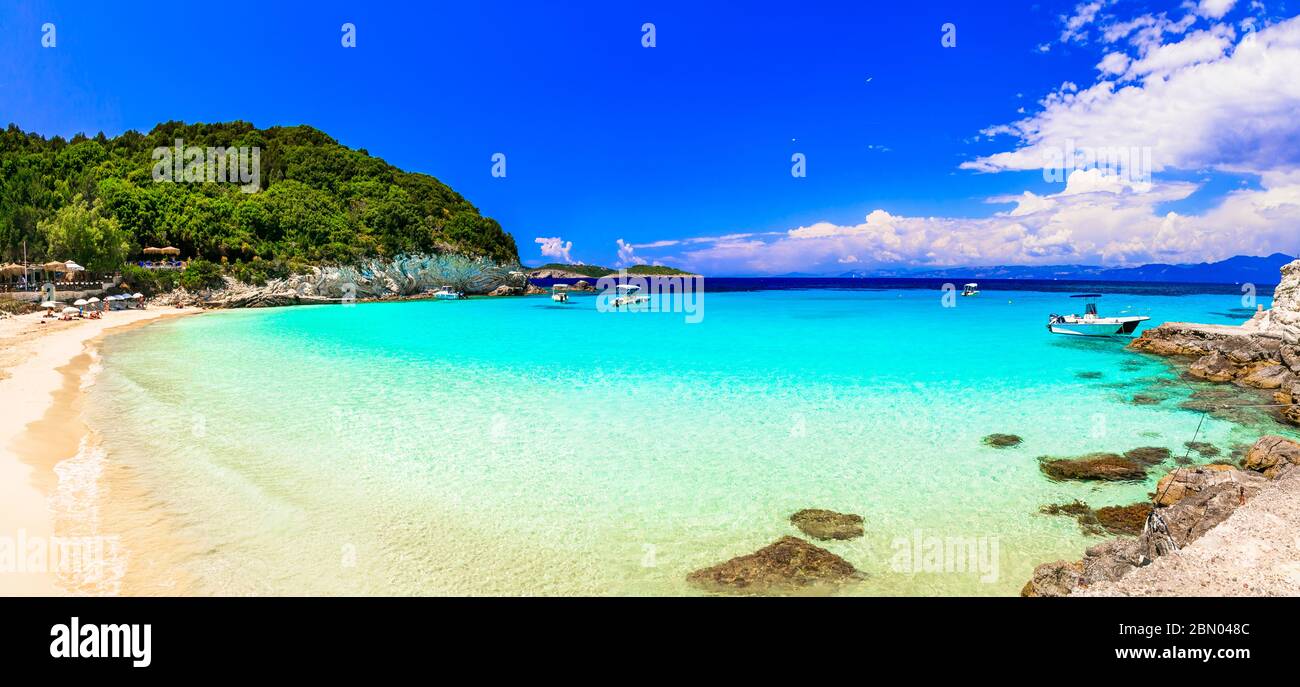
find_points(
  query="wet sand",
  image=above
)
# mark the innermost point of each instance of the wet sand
(43, 365)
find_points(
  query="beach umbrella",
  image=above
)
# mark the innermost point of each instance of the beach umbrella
(70, 311)
(80, 301)
(92, 299)
(50, 304)
(137, 295)
(74, 267)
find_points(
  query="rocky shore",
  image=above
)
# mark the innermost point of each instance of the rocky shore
(1209, 529)
(1263, 353)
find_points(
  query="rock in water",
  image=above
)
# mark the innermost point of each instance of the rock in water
(1205, 448)
(1094, 466)
(1124, 519)
(1272, 455)
(1149, 455)
(1002, 440)
(827, 524)
(788, 564)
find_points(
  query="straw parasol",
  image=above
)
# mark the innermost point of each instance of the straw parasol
(55, 266)
(171, 250)
(12, 269)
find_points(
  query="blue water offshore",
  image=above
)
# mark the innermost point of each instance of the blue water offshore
(520, 446)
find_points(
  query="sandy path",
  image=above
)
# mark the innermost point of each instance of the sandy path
(40, 369)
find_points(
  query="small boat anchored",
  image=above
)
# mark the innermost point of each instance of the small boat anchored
(560, 293)
(1091, 324)
(446, 293)
(971, 289)
(629, 296)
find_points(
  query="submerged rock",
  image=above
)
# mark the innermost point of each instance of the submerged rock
(1146, 399)
(1149, 455)
(1205, 448)
(1088, 374)
(827, 524)
(1124, 519)
(1002, 440)
(1094, 466)
(788, 564)
(1273, 455)
(1078, 510)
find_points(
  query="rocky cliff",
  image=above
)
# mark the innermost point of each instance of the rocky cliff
(373, 280)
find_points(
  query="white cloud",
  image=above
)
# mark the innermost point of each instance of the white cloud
(1195, 48)
(1076, 25)
(627, 255)
(1198, 103)
(557, 248)
(1214, 9)
(1094, 220)
(1113, 63)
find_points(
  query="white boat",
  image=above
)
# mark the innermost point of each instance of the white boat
(560, 293)
(446, 293)
(629, 296)
(971, 289)
(1092, 324)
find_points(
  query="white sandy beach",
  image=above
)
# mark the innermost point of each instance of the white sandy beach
(36, 362)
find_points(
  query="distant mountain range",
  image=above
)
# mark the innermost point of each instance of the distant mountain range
(1239, 269)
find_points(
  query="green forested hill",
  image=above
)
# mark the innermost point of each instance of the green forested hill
(96, 201)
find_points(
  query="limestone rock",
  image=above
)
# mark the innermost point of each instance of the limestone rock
(1272, 455)
(1268, 377)
(1057, 578)
(1185, 482)
(1214, 367)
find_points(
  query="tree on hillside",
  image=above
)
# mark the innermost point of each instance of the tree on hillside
(79, 231)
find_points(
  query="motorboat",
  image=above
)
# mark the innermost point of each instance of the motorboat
(629, 296)
(560, 293)
(1092, 324)
(971, 289)
(446, 293)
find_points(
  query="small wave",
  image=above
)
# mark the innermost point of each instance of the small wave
(86, 560)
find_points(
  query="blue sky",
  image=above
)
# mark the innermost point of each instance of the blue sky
(685, 142)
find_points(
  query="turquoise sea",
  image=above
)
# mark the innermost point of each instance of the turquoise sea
(515, 446)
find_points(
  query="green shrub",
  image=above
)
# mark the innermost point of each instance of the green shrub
(200, 274)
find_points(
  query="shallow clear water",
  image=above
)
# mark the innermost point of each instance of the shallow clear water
(512, 446)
